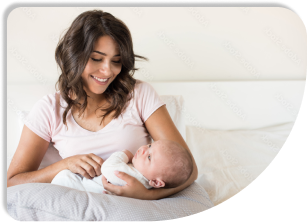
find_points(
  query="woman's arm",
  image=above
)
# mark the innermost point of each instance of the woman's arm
(159, 126)
(27, 158)
(29, 154)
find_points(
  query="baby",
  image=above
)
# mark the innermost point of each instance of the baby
(163, 163)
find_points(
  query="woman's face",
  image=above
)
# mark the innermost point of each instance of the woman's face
(102, 67)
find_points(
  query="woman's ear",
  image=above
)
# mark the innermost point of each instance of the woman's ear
(157, 183)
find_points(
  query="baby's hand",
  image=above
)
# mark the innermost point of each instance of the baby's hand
(129, 154)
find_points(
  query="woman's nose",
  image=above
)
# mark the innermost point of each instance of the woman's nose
(105, 72)
(105, 68)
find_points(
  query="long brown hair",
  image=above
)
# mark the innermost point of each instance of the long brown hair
(73, 52)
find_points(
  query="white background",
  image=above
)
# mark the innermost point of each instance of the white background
(181, 43)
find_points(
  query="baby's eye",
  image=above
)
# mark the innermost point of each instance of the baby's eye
(149, 157)
(149, 145)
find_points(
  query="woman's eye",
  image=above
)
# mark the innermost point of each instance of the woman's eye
(149, 157)
(99, 60)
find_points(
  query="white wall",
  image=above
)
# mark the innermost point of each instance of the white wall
(183, 44)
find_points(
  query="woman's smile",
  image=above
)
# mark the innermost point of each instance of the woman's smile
(100, 81)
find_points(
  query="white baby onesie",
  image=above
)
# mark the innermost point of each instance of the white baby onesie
(117, 161)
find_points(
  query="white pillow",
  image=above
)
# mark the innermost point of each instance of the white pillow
(228, 161)
(172, 103)
(50, 202)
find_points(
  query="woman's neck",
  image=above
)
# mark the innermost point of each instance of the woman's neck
(94, 102)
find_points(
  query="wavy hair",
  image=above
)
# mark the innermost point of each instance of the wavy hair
(72, 54)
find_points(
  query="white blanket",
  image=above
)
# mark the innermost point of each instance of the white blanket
(117, 161)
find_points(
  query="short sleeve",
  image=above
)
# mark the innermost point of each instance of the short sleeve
(41, 118)
(147, 100)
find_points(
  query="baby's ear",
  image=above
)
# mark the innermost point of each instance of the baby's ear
(158, 183)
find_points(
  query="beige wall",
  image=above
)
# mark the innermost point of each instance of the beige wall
(182, 44)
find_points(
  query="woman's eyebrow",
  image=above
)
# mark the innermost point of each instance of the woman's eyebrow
(102, 53)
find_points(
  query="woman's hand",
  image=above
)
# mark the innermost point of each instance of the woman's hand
(88, 165)
(133, 188)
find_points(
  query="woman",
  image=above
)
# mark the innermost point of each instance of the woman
(99, 109)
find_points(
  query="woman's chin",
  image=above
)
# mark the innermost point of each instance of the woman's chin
(96, 91)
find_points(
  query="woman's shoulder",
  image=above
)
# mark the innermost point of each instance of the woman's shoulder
(52, 100)
(141, 85)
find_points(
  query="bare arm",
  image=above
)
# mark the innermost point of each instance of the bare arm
(27, 158)
(161, 126)
(29, 154)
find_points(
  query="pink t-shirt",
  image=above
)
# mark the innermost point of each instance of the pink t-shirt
(125, 132)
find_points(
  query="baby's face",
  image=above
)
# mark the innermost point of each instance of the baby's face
(149, 160)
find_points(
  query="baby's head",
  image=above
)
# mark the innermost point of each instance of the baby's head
(164, 163)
